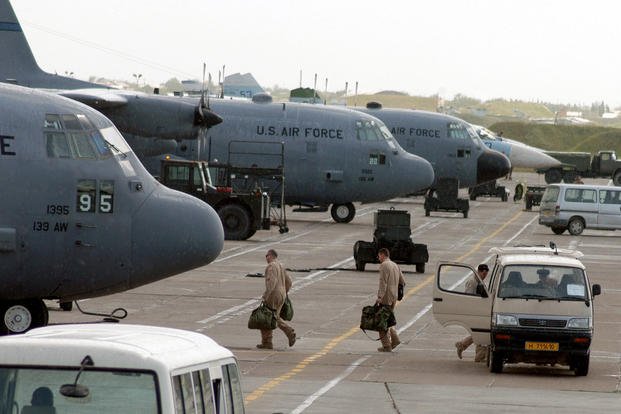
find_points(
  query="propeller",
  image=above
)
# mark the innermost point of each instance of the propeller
(202, 115)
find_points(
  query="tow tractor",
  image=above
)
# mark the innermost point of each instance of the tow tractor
(392, 231)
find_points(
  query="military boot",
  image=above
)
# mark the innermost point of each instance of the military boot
(266, 339)
(385, 338)
(394, 338)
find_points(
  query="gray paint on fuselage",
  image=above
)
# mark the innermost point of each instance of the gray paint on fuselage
(317, 141)
(426, 135)
(61, 252)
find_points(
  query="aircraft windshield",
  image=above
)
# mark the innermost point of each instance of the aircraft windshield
(118, 392)
(542, 282)
(73, 136)
(115, 140)
(371, 131)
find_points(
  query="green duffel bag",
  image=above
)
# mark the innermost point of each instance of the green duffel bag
(377, 318)
(286, 312)
(262, 318)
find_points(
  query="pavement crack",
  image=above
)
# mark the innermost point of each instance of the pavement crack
(394, 403)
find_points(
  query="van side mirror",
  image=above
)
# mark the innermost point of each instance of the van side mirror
(596, 290)
(481, 291)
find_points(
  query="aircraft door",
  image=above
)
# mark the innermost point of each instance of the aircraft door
(461, 298)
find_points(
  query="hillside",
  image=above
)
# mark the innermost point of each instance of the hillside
(562, 137)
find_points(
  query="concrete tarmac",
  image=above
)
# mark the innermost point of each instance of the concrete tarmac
(334, 367)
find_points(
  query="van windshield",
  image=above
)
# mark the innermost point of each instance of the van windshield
(118, 391)
(550, 195)
(542, 282)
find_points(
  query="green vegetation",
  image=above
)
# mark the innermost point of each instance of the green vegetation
(562, 137)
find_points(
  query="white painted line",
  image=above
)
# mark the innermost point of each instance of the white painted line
(307, 403)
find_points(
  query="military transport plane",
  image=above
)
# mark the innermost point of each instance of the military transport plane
(520, 154)
(332, 155)
(150, 123)
(448, 143)
(80, 216)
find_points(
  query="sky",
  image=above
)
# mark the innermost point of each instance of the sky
(559, 51)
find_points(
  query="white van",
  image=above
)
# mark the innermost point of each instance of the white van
(536, 306)
(117, 369)
(575, 207)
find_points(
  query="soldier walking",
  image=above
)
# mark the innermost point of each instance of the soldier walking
(390, 277)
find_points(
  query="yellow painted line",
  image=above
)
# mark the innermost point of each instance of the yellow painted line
(258, 393)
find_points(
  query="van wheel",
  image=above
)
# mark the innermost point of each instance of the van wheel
(581, 366)
(558, 230)
(495, 362)
(576, 226)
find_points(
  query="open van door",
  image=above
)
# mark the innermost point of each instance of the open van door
(461, 298)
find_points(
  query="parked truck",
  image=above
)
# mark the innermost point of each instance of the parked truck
(242, 212)
(604, 164)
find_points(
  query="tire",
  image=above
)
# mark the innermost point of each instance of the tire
(553, 176)
(23, 315)
(495, 362)
(473, 197)
(529, 204)
(66, 306)
(575, 226)
(235, 221)
(420, 267)
(466, 214)
(581, 366)
(505, 197)
(360, 265)
(558, 230)
(426, 213)
(616, 178)
(343, 213)
(570, 177)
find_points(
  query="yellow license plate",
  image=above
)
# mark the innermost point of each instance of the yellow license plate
(541, 346)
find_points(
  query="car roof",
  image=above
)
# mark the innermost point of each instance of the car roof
(111, 345)
(538, 255)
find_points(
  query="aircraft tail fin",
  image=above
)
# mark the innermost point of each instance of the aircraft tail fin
(18, 59)
(18, 63)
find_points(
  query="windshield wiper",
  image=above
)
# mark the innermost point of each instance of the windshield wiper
(576, 298)
(114, 147)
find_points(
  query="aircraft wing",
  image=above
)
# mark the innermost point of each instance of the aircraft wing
(96, 98)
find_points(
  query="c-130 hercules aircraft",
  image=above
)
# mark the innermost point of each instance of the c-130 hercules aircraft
(79, 215)
(332, 156)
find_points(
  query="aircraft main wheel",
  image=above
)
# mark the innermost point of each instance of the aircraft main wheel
(616, 178)
(576, 226)
(21, 316)
(553, 176)
(343, 213)
(235, 221)
(495, 362)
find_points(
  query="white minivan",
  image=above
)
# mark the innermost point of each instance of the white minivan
(536, 306)
(575, 207)
(117, 369)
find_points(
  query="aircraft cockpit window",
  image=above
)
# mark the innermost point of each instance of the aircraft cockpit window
(73, 136)
(457, 130)
(371, 131)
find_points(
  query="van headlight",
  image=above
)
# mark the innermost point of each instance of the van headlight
(581, 323)
(506, 320)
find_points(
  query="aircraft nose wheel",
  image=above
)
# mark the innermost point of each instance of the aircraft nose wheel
(21, 316)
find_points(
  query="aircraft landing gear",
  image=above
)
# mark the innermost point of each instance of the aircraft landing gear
(22, 315)
(343, 213)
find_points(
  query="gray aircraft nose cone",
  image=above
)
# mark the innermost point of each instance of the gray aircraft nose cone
(492, 165)
(172, 233)
(420, 172)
